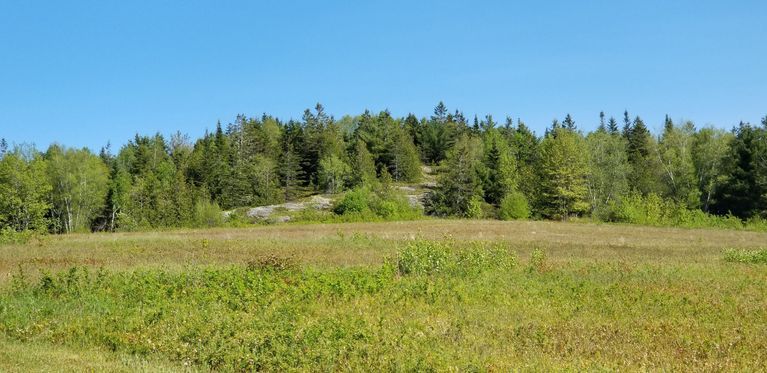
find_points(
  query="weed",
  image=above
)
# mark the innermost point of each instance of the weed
(746, 256)
(538, 261)
(272, 262)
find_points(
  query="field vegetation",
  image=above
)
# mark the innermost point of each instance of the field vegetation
(419, 295)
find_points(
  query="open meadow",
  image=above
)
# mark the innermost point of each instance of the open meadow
(422, 295)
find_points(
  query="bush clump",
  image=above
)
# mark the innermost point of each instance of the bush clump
(655, 210)
(513, 207)
(424, 257)
(367, 204)
(207, 214)
(746, 256)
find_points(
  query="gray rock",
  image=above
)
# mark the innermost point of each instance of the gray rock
(282, 219)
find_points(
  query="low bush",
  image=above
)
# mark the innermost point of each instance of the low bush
(657, 211)
(538, 261)
(208, 214)
(424, 257)
(10, 236)
(746, 256)
(514, 206)
(366, 204)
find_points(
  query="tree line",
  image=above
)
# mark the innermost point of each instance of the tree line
(618, 172)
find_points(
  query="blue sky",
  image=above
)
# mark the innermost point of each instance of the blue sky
(83, 73)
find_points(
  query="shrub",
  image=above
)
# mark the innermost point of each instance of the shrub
(356, 200)
(272, 263)
(657, 211)
(538, 261)
(8, 235)
(746, 256)
(207, 214)
(423, 258)
(514, 206)
(433, 257)
(365, 204)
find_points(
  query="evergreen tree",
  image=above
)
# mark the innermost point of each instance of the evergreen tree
(641, 155)
(626, 124)
(290, 172)
(742, 193)
(500, 178)
(459, 190)
(612, 126)
(564, 168)
(569, 123)
(363, 166)
(602, 127)
(525, 146)
(405, 164)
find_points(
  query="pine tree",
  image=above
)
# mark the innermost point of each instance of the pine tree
(743, 191)
(626, 124)
(500, 178)
(602, 127)
(363, 165)
(405, 164)
(569, 123)
(564, 170)
(644, 166)
(526, 147)
(440, 113)
(612, 126)
(290, 172)
(459, 190)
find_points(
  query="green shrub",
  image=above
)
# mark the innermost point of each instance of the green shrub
(538, 261)
(356, 200)
(514, 206)
(424, 257)
(746, 256)
(10, 236)
(365, 204)
(207, 214)
(657, 211)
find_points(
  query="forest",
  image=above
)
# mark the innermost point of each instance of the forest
(620, 172)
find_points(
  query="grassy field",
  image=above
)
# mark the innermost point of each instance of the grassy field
(424, 295)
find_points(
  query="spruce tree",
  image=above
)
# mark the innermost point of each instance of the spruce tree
(363, 165)
(602, 127)
(612, 126)
(459, 189)
(641, 155)
(500, 178)
(290, 172)
(569, 123)
(564, 168)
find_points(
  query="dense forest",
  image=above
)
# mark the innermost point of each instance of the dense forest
(619, 172)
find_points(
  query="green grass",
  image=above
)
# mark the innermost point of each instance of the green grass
(488, 297)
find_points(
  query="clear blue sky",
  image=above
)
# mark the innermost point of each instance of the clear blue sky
(84, 73)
